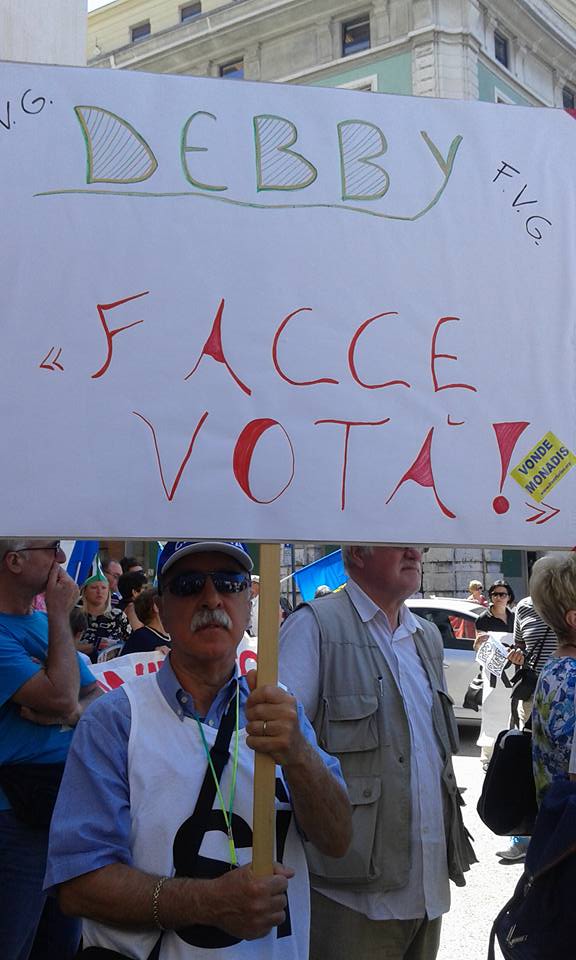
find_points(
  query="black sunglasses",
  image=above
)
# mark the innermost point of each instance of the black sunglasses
(190, 584)
(53, 546)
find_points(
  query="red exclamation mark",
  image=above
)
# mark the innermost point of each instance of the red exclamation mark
(507, 435)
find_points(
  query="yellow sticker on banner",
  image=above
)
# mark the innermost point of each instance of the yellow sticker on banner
(543, 467)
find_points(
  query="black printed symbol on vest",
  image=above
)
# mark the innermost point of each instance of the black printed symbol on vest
(190, 836)
(283, 820)
(205, 868)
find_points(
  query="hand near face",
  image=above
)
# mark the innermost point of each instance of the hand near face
(273, 707)
(61, 592)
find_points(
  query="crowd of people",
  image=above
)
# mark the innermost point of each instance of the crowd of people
(120, 613)
(126, 817)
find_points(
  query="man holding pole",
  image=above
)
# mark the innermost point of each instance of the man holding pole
(158, 856)
(369, 675)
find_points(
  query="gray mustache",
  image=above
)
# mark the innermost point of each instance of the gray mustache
(210, 618)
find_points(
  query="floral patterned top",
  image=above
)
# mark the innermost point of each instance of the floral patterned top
(106, 630)
(553, 722)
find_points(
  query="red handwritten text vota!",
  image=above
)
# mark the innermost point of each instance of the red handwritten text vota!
(420, 471)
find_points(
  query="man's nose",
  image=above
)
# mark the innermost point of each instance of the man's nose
(415, 551)
(60, 556)
(210, 596)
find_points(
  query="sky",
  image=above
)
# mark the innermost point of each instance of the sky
(93, 4)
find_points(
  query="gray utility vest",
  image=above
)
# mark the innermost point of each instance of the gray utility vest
(362, 720)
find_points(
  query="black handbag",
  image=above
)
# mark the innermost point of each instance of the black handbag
(507, 804)
(473, 696)
(32, 789)
(525, 680)
(524, 684)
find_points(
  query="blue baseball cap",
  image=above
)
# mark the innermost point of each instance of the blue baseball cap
(176, 549)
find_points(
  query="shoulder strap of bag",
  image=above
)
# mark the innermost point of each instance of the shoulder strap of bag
(534, 657)
(188, 839)
(219, 754)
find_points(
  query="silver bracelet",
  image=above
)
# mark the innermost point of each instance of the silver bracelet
(155, 898)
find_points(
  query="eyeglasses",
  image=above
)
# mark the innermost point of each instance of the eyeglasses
(499, 594)
(191, 584)
(55, 547)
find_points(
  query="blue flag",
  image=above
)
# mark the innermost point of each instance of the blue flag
(81, 559)
(329, 570)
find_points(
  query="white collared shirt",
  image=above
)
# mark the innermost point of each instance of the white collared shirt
(427, 891)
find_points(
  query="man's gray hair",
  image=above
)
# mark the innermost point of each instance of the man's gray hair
(553, 589)
(360, 548)
(8, 546)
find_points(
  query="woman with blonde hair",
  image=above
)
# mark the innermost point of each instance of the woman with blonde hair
(553, 592)
(108, 629)
(475, 593)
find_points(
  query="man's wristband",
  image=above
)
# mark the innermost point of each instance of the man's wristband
(155, 898)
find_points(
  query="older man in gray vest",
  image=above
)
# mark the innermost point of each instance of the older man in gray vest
(369, 674)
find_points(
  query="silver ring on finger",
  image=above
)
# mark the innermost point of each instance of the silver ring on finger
(264, 723)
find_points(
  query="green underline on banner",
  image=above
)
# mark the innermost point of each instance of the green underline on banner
(243, 203)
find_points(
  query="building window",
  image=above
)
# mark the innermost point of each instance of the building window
(365, 84)
(501, 48)
(568, 98)
(189, 11)
(140, 31)
(233, 71)
(356, 35)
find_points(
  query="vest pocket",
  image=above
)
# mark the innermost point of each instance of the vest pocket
(350, 723)
(360, 863)
(447, 704)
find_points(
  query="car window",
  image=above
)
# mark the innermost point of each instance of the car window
(457, 633)
(463, 627)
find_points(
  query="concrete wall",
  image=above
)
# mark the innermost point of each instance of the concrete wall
(392, 74)
(43, 31)
(491, 86)
(110, 25)
(447, 571)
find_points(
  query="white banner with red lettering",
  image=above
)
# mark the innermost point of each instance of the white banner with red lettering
(114, 673)
(283, 313)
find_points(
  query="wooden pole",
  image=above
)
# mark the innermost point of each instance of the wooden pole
(264, 767)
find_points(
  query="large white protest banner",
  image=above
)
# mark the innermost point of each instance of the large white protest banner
(283, 313)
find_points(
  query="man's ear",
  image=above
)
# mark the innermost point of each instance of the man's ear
(570, 619)
(13, 562)
(357, 557)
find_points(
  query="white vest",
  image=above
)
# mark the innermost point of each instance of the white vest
(166, 768)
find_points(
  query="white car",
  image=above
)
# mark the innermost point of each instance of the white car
(456, 621)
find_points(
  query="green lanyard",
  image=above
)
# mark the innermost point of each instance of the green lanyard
(227, 814)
